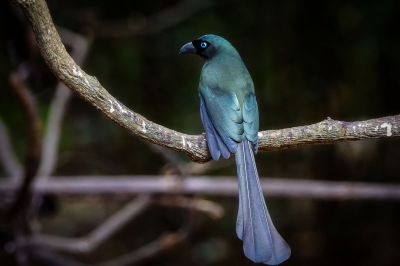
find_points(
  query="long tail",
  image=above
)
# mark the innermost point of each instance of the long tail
(261, 241)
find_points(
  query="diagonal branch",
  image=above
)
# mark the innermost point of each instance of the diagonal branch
(79, 47)
(90, 89)
(115, 222)
(163, 243)
(103, 232)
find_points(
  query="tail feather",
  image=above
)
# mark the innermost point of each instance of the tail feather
(261, 241)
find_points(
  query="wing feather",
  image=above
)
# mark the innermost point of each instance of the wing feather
(225, 112)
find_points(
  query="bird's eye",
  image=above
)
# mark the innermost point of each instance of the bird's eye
(203, 45)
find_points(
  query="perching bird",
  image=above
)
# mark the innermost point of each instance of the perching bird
(229, 112)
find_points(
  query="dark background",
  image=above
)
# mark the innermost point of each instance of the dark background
(308, 59)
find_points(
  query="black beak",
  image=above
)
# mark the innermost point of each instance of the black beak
(187, 49)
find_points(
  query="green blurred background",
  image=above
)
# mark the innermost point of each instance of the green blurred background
(308, 59)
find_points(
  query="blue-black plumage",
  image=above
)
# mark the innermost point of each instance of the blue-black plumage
(229, 112)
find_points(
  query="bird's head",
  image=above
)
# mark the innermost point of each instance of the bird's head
(208, 46)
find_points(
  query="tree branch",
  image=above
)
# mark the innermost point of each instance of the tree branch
(90, 89)
(330, 131)
(210, 185)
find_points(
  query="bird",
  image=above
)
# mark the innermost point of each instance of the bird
(229, 114)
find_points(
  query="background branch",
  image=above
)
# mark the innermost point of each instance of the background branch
(79, 48)
(8, 159)
(51, 258)
(208, 185)
(214, 210)
(115, 222)
(163, 243)
(33, 134)
(149, 25)
(88, 87)
(19, 210)
(95, 238)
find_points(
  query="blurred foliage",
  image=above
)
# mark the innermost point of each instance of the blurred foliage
(308, 60)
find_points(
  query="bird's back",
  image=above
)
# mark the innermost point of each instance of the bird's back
(226, 73)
